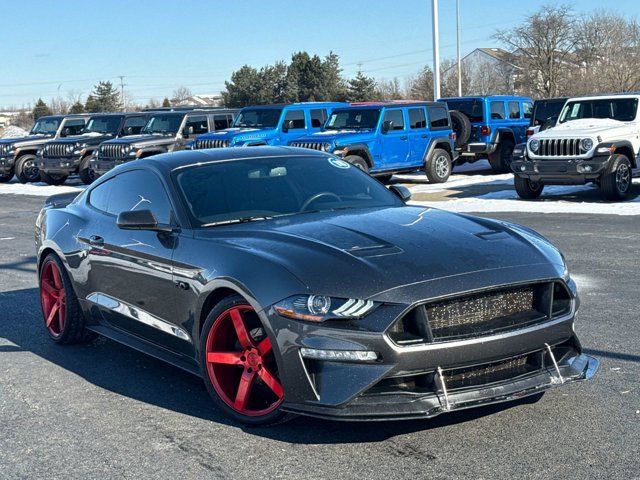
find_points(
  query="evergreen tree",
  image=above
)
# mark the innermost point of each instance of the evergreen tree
(166, 103)
(243, 88)
(361, 88)
(335, 86)
(104, 98)
(77, 108)
(40, 110)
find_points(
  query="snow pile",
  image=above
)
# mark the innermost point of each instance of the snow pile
(13, 132)
(37, 189)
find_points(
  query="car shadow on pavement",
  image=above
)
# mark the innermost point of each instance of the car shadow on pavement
(129, 373)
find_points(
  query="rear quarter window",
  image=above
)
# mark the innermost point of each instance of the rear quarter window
(438, 118)
(497, 110)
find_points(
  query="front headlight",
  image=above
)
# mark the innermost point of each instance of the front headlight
(326, 147)
(534, 144)
(318, 308)
(586, 144)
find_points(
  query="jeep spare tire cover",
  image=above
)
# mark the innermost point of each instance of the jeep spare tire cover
(462, 126)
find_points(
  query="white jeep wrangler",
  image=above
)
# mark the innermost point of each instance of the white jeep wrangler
(596, 139)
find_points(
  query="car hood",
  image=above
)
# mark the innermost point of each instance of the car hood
(26, 140)
(237, 134)
(142, 140)
(337, 137)
(586, 127)
(385, 253)
(89, 138)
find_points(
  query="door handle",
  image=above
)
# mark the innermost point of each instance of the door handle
(404, 137)
(424, 135)
(96, 241)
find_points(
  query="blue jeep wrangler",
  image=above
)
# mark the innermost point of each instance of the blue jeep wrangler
(384, 138)
(269, 125)
(489, 127)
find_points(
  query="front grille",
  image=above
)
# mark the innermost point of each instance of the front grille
(481, 314)
(492, 372)
(559, 147)
(114, 151)
(56, 150)
(310, 145)
(4, 149)
(208, 143)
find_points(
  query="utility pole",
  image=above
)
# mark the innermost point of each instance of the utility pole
(122, 85)
(458, 47)
(436, 53)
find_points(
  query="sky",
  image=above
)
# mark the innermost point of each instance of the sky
(50, 48)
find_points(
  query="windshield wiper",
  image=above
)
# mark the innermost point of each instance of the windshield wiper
(238, 220)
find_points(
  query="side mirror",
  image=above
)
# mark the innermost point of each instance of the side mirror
(286, 126)
(129, 131)
(187, 132)
(140, 220)
(386, 126)
(401, 191)
(65, 132)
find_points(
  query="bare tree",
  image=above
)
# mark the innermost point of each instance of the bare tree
(389, 90)
(543, 47)
(180, 94)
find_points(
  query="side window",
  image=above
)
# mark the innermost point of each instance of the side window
(527, 108)
(438, 118)
(396, 118)
(139, 190)
(99, 196)
(318, 117)
(75, 126)
(196, 125)
(497, 111)
(417, 118)
(514, 110)
(297, 119)
(134, 125)
(220, 122)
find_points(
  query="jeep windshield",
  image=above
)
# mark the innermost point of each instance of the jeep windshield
(46, 126)
(365, 118)
(544, 110)
(258, 117)
(165, 124)
(472, 108)
(103, 125)
(621, 109)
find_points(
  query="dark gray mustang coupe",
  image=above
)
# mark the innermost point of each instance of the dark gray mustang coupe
(293, 282)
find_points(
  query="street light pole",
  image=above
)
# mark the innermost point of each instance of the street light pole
(436, 53)
(458, 47)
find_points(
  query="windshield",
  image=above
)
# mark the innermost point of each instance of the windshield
(165, 124)
(471, 108)
(46, 126)
(104, 125)
(269, 187)
(258, 117)
(353, 119)
(622, 109)
(544, 110)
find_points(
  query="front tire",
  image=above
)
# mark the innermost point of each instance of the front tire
(358, 162)
(61, 311)
(26, 169)
(53, 179)
(500, 160)
(615, 183)
(87, 174)
(438, 167)
(526, 189)
(238, 364)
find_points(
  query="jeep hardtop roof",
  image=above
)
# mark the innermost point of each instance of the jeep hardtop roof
(297, 104)
(393, 103)
(485, 97)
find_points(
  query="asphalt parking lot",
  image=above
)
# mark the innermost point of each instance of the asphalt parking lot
(105, 411)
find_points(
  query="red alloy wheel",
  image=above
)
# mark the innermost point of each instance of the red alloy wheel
(242, 370)
(53, 298)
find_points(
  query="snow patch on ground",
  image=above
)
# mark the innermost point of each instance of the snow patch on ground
(13, 132)
(37, 189)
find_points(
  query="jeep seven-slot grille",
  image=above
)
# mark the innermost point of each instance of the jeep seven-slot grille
(310, 145)
(207, 143)
(113, 151)
(56, 150)
(559, 147)
(480, 314)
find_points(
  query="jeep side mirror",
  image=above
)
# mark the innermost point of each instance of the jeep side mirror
(386, 126)
(286, 126)
(401, 191)
(187, 132)
(65, 132)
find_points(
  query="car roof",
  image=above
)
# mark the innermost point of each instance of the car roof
(487, 97)
(606, 95)
(393, 103)
(298, 104)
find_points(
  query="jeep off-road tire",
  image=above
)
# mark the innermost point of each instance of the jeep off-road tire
(615, 183)
(358, 162)
(53, 179)
(438, 166)
(26, 170)
(461, 126)
(5, 177)
(500, 159)
(526, 189)
(87, 175)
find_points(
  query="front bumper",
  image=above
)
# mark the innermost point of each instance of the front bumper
(7, 163)
(556, 171)
(59, 165)
(102, 165)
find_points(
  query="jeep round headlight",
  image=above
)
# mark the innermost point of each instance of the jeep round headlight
(70, 148)
(125, 149)
(586, 144)
(534, 144)
(326, 147)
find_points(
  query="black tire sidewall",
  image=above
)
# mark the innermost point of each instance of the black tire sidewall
(608, 184)
(50, 180)
(525, 190)
(20, 172)
(358, 162)
(430, 166)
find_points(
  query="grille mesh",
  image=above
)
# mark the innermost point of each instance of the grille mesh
(209, 143)
(113, 151)
(490, 372)
(56, 150)
(559, 147)
(309, 145)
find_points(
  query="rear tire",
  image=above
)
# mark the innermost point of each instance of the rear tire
(527, 189)
(53, 179)
(26, 169)
(438, 166)
(87, 175)
(358, 162)
(615, 183)
(500, 160)
(62, 314)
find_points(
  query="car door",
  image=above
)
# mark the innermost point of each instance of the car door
(499, 116)
(519, 123)
(294, 125)
(394, 140)
(131, 271)
(194, 126)
(419, 135)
